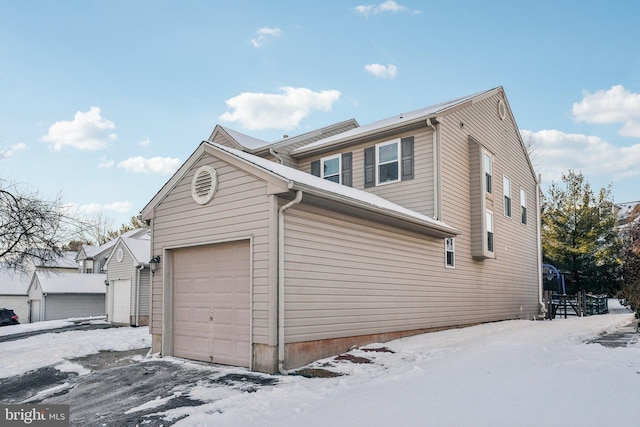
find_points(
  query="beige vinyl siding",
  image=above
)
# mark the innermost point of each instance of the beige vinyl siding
(121, 271)
(239, 209)
(283, 148)
(506, 286)
(347, 277)
(416, 193)
(223, 140)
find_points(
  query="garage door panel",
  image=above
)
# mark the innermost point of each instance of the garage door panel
(212, 303)
(122, 301)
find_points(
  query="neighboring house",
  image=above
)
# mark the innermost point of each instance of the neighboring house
(65, 295)
(63, 264)
(423, 221)
(628, 212)
(91, 259)
(128, 294)
(13, 293)
(13, 285)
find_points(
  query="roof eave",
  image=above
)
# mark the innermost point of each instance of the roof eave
(409, 222)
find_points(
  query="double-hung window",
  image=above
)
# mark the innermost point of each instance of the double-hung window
(523, 205)
(490, 242)
(331, 168)
(506, 191)
(450, 252)
(488, 173)
(388, 162)
(336, 168)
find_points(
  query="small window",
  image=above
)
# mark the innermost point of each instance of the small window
(331, 168)
(488, 171)
(450, 252)
(523, 205)
(506, 191)
(388, 162)
(489, 231)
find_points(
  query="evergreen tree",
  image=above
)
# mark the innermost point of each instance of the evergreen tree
(579, 234)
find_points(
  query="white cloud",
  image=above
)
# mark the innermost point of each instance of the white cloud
(159, 165)
(145, 142)
(14, 149)
(277, 111)
(616, 105)
(92, 208)
(87, 131)
(388, 6)
(558, 152)
(105, 163)
(265, 35)
(382, 71)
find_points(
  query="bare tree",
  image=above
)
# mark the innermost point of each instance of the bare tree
(99, 228)
(31, 229)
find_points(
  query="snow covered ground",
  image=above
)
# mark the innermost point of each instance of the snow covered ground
(523, 373)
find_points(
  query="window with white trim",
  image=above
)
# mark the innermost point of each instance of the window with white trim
(506, 191)
(523, 205)
(450, 252)
(488, 173)
(490, 242)
(388, 162)
(330, 168)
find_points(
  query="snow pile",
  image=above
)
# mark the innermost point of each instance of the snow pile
(35, 352)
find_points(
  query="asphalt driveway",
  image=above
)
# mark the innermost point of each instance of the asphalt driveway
(121, 386)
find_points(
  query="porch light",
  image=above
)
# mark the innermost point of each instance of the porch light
(153, 263)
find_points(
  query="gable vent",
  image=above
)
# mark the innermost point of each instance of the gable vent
(204, 184)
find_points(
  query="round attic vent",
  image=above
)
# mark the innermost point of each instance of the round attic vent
(204, 184)
(502, 109)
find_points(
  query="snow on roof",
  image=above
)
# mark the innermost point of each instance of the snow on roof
(332, 188)
(390, 122)
(91, 251)
(13, 283)
(67, 260)
(245, 140)
(71, 283)
(140, 248)
(624, 209)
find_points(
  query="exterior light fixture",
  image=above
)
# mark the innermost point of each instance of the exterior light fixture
(153, 263)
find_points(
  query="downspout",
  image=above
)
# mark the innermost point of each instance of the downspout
(276, 155)
(294, 202)
(437, 209)
(138, 274)
(543, 310)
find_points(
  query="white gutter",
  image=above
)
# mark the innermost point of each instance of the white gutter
(543, 310)
(294, 202)
(138, 274)
(437, 209)
(276, 155)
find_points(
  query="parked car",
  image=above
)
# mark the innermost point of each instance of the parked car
(8, 317)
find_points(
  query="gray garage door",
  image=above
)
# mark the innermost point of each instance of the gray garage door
(211, 303)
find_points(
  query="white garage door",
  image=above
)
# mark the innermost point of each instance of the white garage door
(211, 303)
(35, 310)
(122, 301)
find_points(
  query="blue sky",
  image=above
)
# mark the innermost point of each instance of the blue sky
(101, 101)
